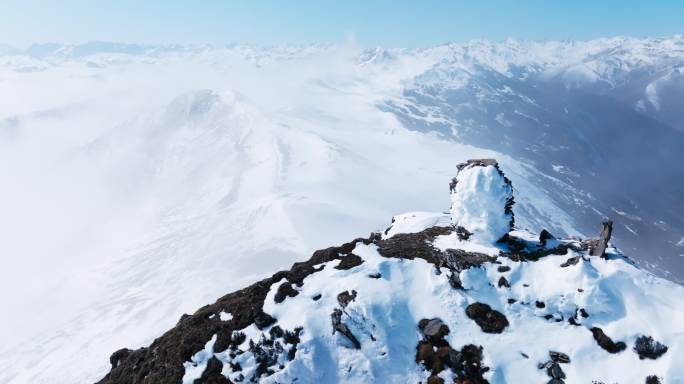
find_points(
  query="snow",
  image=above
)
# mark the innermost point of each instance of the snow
(621, 299)
(195, 367)
(140, 183)
(414, 222)
(478, 202)
(224, 316)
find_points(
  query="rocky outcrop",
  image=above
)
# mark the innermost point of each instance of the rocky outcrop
(647, 348)
(488, 319)
(436, 355)
(606, 342)
(162, 361)
(598, 246)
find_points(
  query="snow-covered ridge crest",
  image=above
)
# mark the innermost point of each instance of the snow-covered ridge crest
(482, 200)
(400, 308)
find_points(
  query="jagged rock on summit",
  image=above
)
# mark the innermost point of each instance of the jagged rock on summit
(482, 200)
(598, 247)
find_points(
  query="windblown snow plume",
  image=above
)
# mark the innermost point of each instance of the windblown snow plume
(405, 308)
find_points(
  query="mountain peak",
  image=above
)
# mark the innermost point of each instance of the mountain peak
(431, 301)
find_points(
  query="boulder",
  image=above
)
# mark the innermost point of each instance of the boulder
(559, 357)
(488, 319)
(598, 246)
(606, 342)
(647, 348)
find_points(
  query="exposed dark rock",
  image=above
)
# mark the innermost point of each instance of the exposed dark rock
(511, 301)
(653, 379)
(414, 245)
(503, 268)
(285, 290)
(455, 280)
(432, 357)
(559, 357)
(118, 356)
(545, 236)
(316, 297)
(539, 304)
(503, 282)
(606, 342)
(264, 320)
(598, 246)
(375, 275)
(266, 352)
(647, 348)
(212, 373)
(478, 163)
(292, 338)
(552, 367)
(276, 332)
(522, 250)
(162, 361)
(433, 330)
(583, 313)
(468, 365)
(571, 261)
(265, 355)
(436, 355)
(342, 328)
(349, 261)
(555, 371)
(488, 319)
(462, 233)
(460, 260)
(419, 245)
(345, 298)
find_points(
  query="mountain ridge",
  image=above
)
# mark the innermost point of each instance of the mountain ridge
(248, 335)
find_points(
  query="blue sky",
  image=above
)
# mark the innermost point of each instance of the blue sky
(368, 23)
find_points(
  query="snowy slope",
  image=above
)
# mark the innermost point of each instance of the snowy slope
(142, 182)
(151, 197)
(374, 310)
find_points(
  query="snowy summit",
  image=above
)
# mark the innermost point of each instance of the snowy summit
(436, 298)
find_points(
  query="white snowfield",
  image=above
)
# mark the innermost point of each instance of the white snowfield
(621, 299)
(139, 184)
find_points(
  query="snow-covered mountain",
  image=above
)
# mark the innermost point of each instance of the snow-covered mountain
(596, 115)
(435, 298)
(141, 182)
